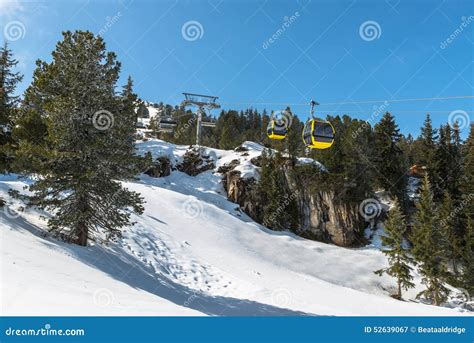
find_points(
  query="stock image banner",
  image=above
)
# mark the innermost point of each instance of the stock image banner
(236, 171)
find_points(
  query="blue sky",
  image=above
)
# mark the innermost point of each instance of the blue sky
(271, 53)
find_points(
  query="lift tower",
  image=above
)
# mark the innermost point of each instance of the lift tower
(202, 102)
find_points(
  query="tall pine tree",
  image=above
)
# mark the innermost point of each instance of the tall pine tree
(468, 258)
(390, 162)
(428, 139)
(450, 232)
(467, 186)
(9, 80)
(399, 257)
(89, 143)
(428, 247)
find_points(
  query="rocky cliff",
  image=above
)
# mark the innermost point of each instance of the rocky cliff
(323, 216)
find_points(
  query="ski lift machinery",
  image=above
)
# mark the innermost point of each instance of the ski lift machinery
(202, 102)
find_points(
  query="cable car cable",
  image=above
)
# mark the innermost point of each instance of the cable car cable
(355, 102)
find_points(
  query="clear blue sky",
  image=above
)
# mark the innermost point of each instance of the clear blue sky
(321, 53)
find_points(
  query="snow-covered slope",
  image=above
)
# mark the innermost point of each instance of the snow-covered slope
(191, 252)
(152, 113)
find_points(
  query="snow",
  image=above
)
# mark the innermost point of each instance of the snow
(375, 235)
(413, 186)
(192, 252)
(152, 111)
(310, 161)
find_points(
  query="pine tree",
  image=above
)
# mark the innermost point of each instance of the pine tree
(428, 138)
(142, 111)
(8, 105)
(457, 174)
(426, 144)
(399, 258)
(269, 191)
(449, 230)
(444, 162)
(30, 132)
(279, 209)
(293, 142)
(89, 143)
(390, 162)
(467, 186)
(229, 130)
(428, 247)
(466, 181)
(468, 257)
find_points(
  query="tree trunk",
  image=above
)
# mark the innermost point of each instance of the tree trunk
(81, 230)
(399, 295)
(455, 267)
(82, 233)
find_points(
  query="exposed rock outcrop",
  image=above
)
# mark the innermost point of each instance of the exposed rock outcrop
(194, 163)
(239, 191)
(323, 216)
(161, 167)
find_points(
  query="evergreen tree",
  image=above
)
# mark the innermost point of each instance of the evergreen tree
(142, 111)
(293, 141)
(457, 174)
(279, 209)
(467, 186)
(468, 257)
(9, 80)
(444, 162)
(428, 139)
(399, 258)
(229, 130)
(30, 130)
(269, 190)
(390, 162)
(449, 230)
(428, 247)
(408, 147)
(89, 143)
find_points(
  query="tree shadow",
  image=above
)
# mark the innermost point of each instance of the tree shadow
(115, 261)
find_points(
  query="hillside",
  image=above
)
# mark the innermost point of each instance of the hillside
(192, 252)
